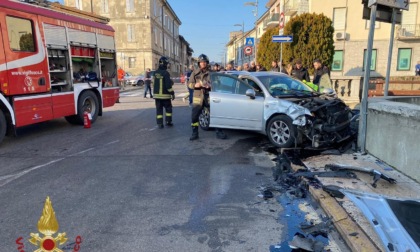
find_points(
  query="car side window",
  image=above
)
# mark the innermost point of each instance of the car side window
(254, 85)
(242, 87)
(223, 84)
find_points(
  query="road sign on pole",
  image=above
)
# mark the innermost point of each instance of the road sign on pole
(248, 50)
(282, 39)
(398, 4)
(249, 41)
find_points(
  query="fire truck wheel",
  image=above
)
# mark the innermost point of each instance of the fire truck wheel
(3, 126)
(87, 102)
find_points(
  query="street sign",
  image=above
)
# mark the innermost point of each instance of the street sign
(397, 4)
(281, 23)
(249, 42)
(248, 50)
(383, 13)
(282, 39)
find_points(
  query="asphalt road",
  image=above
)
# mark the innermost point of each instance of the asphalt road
(125, 185)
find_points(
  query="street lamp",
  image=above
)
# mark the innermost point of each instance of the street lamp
(255, 4)
(242, 44)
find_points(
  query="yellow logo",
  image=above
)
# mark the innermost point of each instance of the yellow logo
(48, 226)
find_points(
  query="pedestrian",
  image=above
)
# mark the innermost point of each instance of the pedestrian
(299, 72)
(121, 75)
(260, 68)
(246, 66)
(229, 67)
(147, 83)
(252, 68)
(418, 68)
(190, 91)
(321, 75)
(163, 93)
(274, 66)
(200, 82)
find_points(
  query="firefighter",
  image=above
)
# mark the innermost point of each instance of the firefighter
(200, 82)
(163, 93)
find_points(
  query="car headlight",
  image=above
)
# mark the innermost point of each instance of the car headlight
(300, 120)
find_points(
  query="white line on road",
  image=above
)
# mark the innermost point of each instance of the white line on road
(9, 178)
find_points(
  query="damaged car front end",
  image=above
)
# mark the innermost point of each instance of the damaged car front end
(329, 122)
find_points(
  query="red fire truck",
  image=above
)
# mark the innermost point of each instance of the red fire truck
(52, 65)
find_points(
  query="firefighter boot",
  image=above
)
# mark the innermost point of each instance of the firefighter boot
(194, 135)
(220, 134)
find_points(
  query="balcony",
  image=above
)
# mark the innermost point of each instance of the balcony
(409, 32)
(272, 21)
(291, 7)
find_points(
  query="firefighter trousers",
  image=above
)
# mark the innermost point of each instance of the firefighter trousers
(198, 105)
(160, 104)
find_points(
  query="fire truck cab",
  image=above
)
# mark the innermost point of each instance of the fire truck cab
(52, 65)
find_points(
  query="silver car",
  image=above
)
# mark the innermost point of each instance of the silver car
(286, 110)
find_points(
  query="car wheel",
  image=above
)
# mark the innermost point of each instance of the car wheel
(87, 101)
(3, 126)
(204, 119)
(140, 83)
(281, 131)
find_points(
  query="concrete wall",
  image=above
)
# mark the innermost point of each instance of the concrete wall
(393, 133)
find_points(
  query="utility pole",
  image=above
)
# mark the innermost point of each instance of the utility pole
(256, 24)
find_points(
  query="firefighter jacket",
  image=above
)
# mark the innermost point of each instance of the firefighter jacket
(199, 76)
(162, 85)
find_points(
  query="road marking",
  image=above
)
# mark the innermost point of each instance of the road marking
(9, 178)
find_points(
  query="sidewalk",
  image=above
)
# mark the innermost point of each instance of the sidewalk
(349, 220)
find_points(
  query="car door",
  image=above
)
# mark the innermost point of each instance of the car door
(230, 107)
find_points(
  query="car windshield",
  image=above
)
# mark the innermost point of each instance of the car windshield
(279, 86)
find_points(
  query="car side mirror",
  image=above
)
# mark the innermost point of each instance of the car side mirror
(250, 93)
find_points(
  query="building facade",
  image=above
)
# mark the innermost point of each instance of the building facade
(351, 35)
(145, 31)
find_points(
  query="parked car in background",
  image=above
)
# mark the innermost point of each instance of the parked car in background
(135, 80)
(290, 113)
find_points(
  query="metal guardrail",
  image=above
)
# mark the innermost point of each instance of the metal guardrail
(409, 31)
(273, 18)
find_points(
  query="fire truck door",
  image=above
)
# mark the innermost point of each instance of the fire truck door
(26, 58)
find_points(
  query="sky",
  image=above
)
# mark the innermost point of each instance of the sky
(206, 23)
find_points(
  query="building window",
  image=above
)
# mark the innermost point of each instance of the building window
(409, 20)
(337, 64)
(156, 35)
(339, 19)
(404, 59)
(131, 33)
(78, 4)
(367, 25)
(161, 39)
(21, 38)
(373, 61)
(129, 5)
(104, 6)
(131, 62)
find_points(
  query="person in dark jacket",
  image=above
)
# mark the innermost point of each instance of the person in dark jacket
(274, 66)
(201, 83)
(320, 70)
(147, 83)
(299, 72)
(163, 93)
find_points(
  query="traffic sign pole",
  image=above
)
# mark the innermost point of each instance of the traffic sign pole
(368, 60)
(391, 44)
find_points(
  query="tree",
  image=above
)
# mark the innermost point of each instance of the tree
(267, 50)
(312, 39)
(26, 43)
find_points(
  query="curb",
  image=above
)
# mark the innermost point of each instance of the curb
(343, 222)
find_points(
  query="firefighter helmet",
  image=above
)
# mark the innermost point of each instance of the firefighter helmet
(163, 61)
(204, 58)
